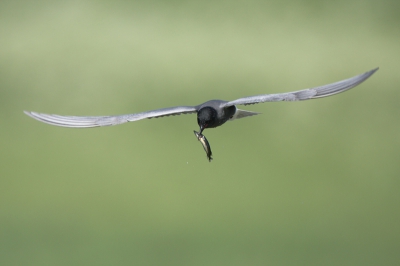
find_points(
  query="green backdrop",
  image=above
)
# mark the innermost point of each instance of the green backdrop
(305, 183)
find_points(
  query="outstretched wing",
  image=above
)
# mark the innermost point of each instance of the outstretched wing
(99, 121)
(312, 93)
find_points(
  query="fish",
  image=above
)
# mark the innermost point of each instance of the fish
(206, 146)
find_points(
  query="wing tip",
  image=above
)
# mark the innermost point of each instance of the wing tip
(60, 121)
(31, 114)
(372, 71)
(366, 75)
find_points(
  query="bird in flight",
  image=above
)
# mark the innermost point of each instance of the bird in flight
(210, 114)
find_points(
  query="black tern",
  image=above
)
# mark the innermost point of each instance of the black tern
(210, 114)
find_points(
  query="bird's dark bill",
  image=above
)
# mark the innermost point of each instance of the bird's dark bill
(206, 146)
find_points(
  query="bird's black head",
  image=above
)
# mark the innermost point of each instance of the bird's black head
(206, 117)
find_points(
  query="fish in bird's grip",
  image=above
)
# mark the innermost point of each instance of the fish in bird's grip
(206, 146)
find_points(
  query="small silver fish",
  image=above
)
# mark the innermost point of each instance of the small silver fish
(204, 142)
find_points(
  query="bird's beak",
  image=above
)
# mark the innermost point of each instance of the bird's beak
(201, 129)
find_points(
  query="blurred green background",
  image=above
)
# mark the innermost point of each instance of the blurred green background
(305, 183)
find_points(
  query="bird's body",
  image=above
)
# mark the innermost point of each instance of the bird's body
(214, 114)
(210, 114)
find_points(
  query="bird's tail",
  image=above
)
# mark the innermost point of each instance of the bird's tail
(242, 113)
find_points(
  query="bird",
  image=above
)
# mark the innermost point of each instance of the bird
(210, 114)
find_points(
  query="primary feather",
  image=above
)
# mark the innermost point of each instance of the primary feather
(307, 94)
(99, 121)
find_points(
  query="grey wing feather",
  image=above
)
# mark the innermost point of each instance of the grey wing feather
(98, 121)
(312, 93)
